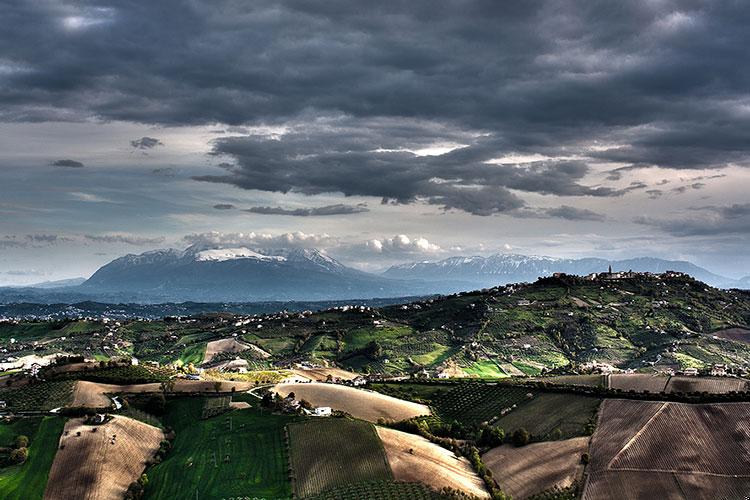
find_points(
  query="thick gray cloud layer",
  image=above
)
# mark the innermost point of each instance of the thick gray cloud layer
(653, 83)
(538, 109)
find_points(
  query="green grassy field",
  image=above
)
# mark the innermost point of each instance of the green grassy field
(197, 465)
(485, 369)
(28, 481)
(547, 412)
(334, 452)
(192, 354)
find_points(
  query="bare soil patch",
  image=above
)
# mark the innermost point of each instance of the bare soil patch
(231, 345)
(92, 394)
(414, 459)
(239, 405)
(736, 334)
(100, 465)
(526, 471)
(321, 374)
(359, 403)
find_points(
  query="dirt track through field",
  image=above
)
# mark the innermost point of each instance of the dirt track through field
(359, 403)
(414, 459)
(528, 470)
(101, 465)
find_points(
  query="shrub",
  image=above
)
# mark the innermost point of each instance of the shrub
(521, 437)
(19, 455)
(21, 441)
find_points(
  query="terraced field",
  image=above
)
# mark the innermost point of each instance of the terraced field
(680, 450)
(238, 454)
(330, 453)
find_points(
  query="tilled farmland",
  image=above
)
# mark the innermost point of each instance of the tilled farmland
(680, 450)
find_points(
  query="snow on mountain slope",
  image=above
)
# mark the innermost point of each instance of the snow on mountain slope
(223, 254)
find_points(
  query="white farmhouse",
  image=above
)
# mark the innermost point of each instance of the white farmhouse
(322, 411)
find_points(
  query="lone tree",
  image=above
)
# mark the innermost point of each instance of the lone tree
(521, 437)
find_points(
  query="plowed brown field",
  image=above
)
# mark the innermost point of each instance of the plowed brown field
(679, 450)
(526, 471)
(362, 404)
(100, 465)
(414, 459)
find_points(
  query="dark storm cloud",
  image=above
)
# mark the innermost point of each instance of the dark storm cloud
(341, 157)
(573, 213)
(338, 209)
(711, 220)
(146, 143)
(664, 83)
(224, 206)
(67, 163)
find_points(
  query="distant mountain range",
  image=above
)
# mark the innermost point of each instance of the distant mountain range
(207, 274)
(242, 274)
(509, 268)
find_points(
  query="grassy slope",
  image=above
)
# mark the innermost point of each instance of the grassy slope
(257, 453)
(28, 481)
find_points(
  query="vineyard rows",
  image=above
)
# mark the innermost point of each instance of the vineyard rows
(475, 403)
(329, 453)
(39, 396)
(380, 490)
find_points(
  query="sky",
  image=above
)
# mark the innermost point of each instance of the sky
(379, 132)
